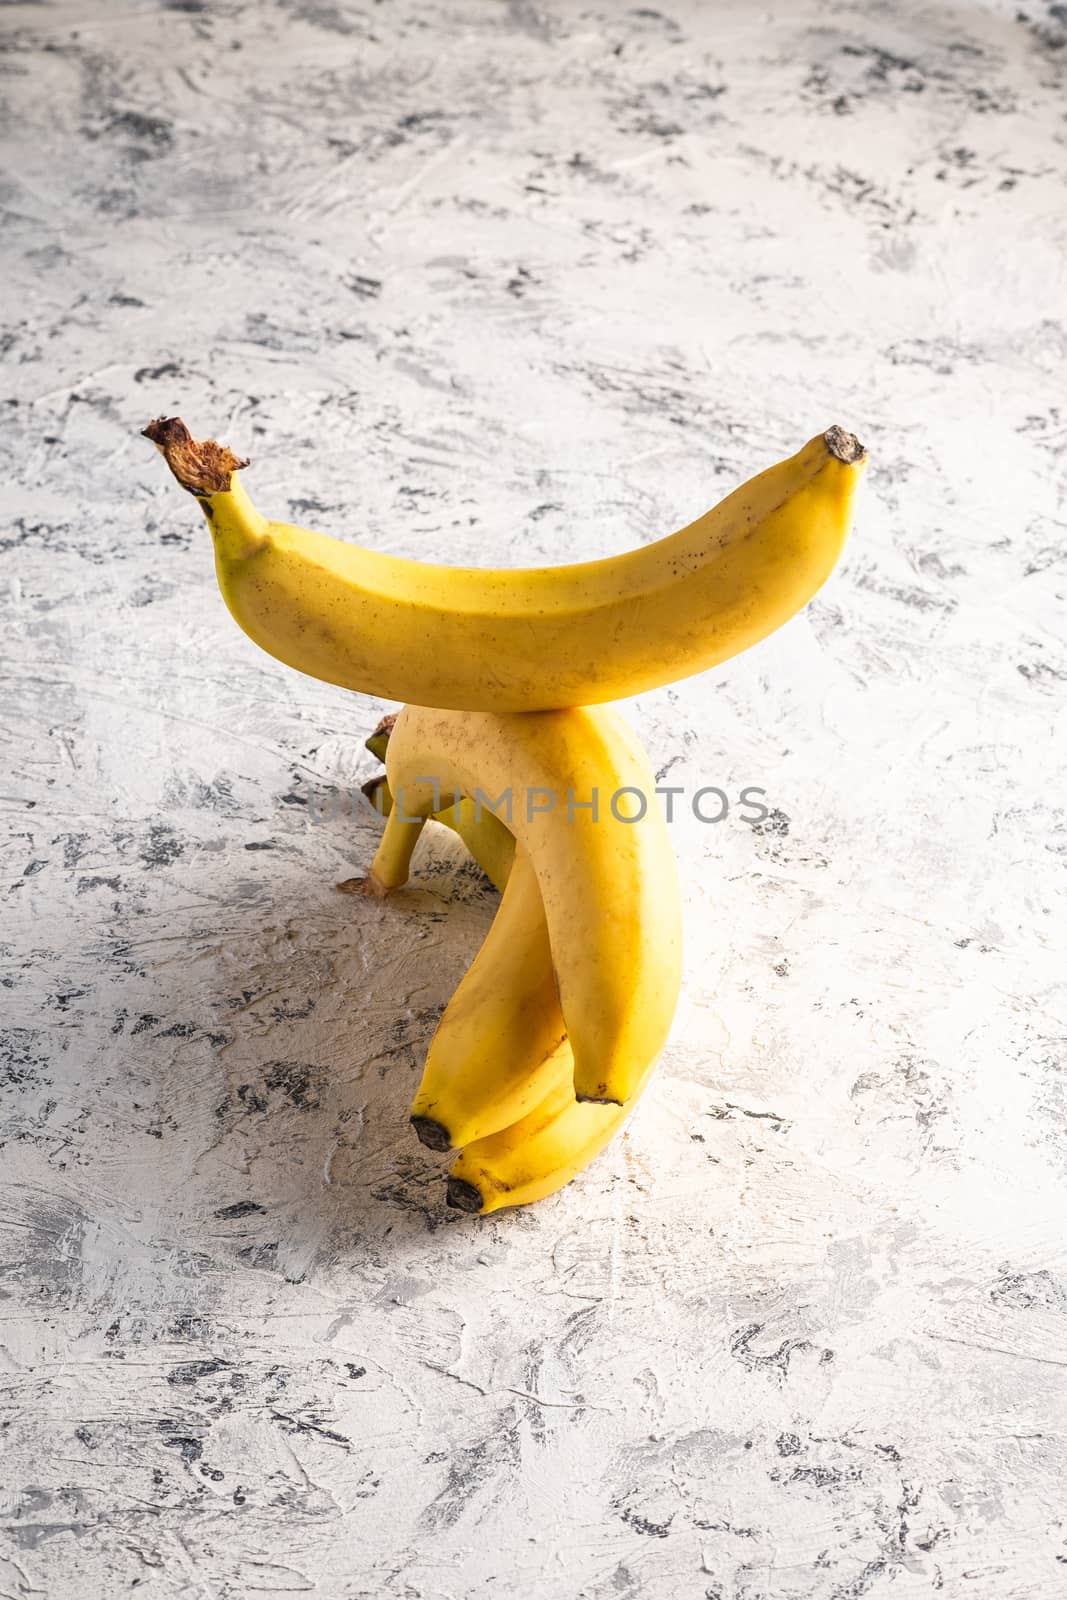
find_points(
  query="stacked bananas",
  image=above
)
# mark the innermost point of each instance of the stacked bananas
(556, 1028)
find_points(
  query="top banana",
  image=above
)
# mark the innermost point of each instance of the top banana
(531, 639)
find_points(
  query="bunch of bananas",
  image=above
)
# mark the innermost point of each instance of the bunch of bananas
(556, 1028)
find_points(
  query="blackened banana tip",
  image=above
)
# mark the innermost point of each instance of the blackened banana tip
(463, 1196)
(844, 446)
(434, 1135)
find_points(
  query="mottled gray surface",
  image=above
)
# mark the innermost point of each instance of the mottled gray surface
(512, 283)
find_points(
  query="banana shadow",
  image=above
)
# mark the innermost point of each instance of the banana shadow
(324, 1059)
(284, 1040)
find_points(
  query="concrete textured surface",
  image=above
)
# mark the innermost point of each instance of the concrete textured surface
(511, 283)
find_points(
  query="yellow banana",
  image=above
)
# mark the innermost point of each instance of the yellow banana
(533, 639)
(485, 836)
(609, 886)
(540, 1149)
(492, 1058)
(378, 741)
(540, 1153)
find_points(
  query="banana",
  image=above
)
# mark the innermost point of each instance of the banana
(378, 741)
(485, 836)
(376, 790)
(609, 886)
(493, 1057)
(540, 1153)
(525, 1135)
(532, 639)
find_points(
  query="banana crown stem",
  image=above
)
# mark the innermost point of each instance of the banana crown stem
(209, 471)
(200, 465)
(845, 446)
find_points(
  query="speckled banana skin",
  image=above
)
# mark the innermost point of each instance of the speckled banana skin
(609, 886)
(531, 639)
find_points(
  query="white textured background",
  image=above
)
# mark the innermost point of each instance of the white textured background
(516, 283)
